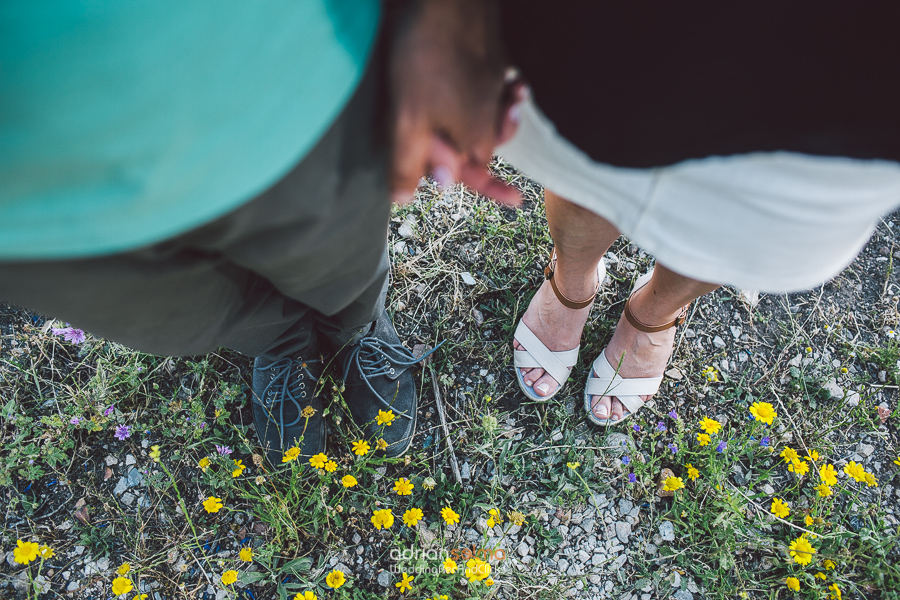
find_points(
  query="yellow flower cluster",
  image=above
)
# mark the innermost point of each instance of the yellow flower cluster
(673, 483)
(780, 508)
(857, 472)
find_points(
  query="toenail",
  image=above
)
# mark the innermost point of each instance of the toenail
(544, 387)
(615, 418)
(601, 410)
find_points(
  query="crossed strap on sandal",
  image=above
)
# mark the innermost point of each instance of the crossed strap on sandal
(535, 354)
(607, 381)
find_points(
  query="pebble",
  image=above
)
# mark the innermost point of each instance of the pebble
(466, 471)
(623, 531)
(667, 531)
(130, 460)
(852, 399)
(384, 578)
(718, 342)
(683, 595)
(625, 506)
(833, 389)
(522, 549)
(467, 278)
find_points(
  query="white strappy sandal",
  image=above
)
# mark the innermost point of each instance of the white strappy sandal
(607, 381)
(535, 355)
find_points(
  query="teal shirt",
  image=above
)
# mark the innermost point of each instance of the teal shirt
(126, 122)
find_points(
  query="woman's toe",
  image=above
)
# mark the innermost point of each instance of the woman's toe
(600, 406)
(617, 410)
(544, 385)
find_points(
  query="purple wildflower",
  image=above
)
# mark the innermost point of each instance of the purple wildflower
(70, 334)
(632, 478)
(75, 420)
(637, 427)
(673, 415)
(223, 450)
(123, 432)
(721, 447)
(109, 410)
(673, 448)
(765, 442)
(626, 459)
(661, 426)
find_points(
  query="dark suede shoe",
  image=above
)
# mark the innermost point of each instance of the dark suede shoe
(285, 391)
(378, 377)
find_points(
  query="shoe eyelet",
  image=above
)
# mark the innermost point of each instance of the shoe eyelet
(392, 371)
(303, 394)
(302, 385)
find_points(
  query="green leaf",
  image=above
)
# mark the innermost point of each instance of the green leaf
(297, 566)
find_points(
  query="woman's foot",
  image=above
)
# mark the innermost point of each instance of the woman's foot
(558, 327)
(636, 354)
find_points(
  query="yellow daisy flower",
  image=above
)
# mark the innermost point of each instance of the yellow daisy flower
(381, 444)
(793, 584)
(573, 465)
(412, 516)
(809, 520)
(361, 447)
(801, 551)
(212, 504)
(124, 569)
(239, 467)
(789, 455)
(348, 481)
(331, 466)
(812, 456)
(824, 490)
(692, 472)
(710, 426)
(246, 554)
(450, 565)
(403, 487)
(855, 471)
(203, 463)
(120, 586)
(800, 467)
(780, 508)
(405, 584)
(335, 579)
(703, 439)
(385, 417)
(229, 577)
(46, 552)
(319, 460)
(477, 569)
(307, 595)
(450, 516)
(835, 591)
(763, 411)
(673, 483)
(828, 474)
(821, 575)
(870, 479)
(154, 453)
(382, 518)
(290, 454)
(25, 552)
(828, 564)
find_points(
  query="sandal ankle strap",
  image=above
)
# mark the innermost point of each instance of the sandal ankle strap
(640, 326)
(574, 304)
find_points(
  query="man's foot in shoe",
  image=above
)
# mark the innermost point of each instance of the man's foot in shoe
(378, 377)
(287, 406)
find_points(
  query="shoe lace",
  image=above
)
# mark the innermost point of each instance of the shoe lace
(373, 357)
(283, 388)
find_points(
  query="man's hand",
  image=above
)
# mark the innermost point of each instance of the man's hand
(451, 105)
